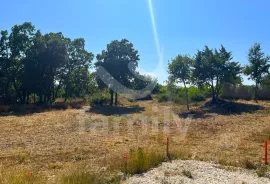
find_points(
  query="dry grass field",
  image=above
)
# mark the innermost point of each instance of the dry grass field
(62, 146)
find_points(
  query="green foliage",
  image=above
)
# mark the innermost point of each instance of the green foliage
(140, 82)
(198, 94)
(214, 68)
(177, 94)
(33, 63)
(266, 81)
(257, 67)
(163, 97)
(117, 64)
(77, 77)
(99, 98)
(180, 72)
(197, 98)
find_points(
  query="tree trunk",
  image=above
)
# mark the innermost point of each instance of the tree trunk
(186, 96)
(7, 92)
(27, 98)
(213, 92)
(256, 93)
(66, 95)
(111, 101)
(217, 89)
(24, 98)
(17, 91)
(115, 103)
(40, 98)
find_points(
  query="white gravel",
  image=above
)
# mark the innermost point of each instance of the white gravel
(202, 172)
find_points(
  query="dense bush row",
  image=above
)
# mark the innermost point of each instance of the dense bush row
(177, 94)
(245, 92)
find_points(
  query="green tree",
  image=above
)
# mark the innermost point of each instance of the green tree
(117, 65)
(4, 66)
(44, 63)
(214, 68)
(20, 41)
(266, 81)
(180, 71)
(77, 68)
(257, 67)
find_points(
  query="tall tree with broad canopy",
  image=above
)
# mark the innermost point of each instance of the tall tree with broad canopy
(117, 65)
(20, 41)
(76, 68)
(258, 66)
(180, 71)
(45, 58)
(214, 68)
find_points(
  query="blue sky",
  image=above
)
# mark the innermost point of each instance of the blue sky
(183, 26)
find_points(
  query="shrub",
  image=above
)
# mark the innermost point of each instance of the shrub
(140, 160)
(163, 97)
(99, 99)
(197, 98)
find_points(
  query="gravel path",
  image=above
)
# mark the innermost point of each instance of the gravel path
(202, 172)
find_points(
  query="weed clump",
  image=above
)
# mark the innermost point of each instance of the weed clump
(140, 161)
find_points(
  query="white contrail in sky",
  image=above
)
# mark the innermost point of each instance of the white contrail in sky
(153, 21)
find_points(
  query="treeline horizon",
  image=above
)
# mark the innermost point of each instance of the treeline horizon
(42, 67)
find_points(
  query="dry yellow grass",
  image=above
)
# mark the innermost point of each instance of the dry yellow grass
(53, 143)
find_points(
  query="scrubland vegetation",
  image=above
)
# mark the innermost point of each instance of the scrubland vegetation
(61, 123)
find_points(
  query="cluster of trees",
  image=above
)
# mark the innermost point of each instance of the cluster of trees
(32, 63)
(214, 68)
(44, 67)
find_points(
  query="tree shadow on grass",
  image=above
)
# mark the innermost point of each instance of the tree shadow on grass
(222, 107)
(24, 110)
(194, 114)
(112, 110)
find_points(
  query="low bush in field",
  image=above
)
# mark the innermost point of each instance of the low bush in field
(99, 99)
(163, 97)
(178, 95)
(197, 98)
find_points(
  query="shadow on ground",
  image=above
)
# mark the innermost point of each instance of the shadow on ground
(112, 110)
(23, 110)
(222, 107)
